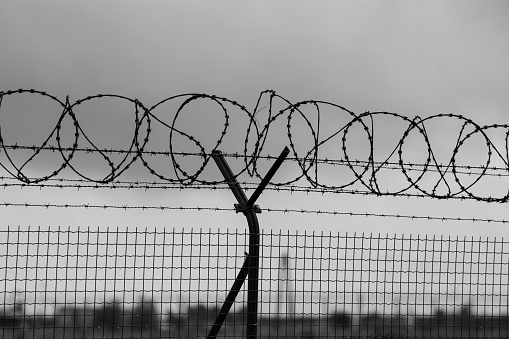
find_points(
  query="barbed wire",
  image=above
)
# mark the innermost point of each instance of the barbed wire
(387, 165)
(365, 175)
(246, 186)
(278, 210)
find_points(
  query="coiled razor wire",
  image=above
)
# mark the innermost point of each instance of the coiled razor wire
(365, 172)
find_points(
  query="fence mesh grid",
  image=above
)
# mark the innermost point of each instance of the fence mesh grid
(140, 283)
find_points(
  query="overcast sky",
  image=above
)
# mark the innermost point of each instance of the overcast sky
(412, 58)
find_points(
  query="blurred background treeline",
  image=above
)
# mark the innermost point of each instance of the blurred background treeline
(144, 319)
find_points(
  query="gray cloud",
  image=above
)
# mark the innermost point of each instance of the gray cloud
(411, 58)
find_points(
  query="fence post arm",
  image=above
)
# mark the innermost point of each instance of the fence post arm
(249, 209)
(265, 181)
(229, 177)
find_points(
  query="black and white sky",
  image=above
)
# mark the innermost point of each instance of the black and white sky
(411, 58)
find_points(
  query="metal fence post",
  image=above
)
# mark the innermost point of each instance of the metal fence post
(249, 209)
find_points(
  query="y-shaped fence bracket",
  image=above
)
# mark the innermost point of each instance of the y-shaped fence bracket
(251, 264)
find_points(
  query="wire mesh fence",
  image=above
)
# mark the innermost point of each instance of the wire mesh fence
(141, 283)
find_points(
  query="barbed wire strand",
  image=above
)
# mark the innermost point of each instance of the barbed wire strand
(285, 211)
(247, 186)
(356, 163)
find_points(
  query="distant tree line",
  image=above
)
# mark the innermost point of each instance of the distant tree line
(145, 320)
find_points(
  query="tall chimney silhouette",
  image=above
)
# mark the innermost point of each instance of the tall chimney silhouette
(285, 297)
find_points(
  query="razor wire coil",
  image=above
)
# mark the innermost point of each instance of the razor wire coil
(365, 173)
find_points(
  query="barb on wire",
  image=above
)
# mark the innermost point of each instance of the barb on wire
(423, 171)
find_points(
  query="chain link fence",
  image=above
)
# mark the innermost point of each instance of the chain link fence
(150, 283)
